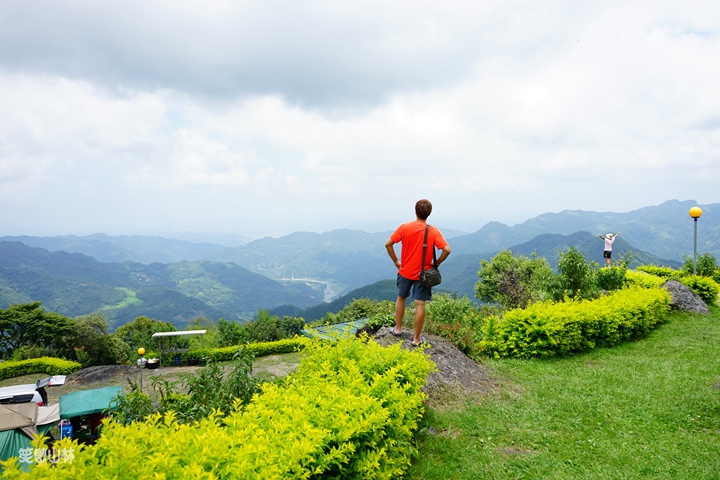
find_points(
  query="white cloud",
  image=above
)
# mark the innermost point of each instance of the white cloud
(268, 117)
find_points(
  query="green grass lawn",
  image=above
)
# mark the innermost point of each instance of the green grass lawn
(646, 409)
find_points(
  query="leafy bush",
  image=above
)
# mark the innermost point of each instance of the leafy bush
(665, 272)
(134, 406)
(44, 365)
(575, 278)
(270, 328)
(512, 281)
(381, 320)
(642, 279)
(705, 265)
(358, 309)
(349, 411)
(705, 287)
(611, 278)
(27, 352)
(456, 319)
(30, 324)
(549, 329)
(214, 388)
(139, 332)
(229, 333)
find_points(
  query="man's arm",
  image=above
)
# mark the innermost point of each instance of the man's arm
(390, 247)
(443, 255)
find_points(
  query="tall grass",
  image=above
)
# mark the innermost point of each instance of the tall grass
(646, 409)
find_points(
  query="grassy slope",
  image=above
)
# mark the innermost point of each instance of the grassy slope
(647, 409)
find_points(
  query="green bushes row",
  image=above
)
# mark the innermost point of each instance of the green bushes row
(549, 329)
(643, 279)
(226, 354)
(349, 411)
(706, 287)
(43, 365)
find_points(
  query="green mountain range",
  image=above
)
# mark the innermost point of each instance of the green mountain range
(174, 280)
(74, 284)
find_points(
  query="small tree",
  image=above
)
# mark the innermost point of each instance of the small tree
(93, 345)
(138, 333)
(229, 333)
(575, 278)
(270, 328)
(706, 266)
(30, 325)
(512, 281)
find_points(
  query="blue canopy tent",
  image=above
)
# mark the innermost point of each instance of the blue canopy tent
(86, 402)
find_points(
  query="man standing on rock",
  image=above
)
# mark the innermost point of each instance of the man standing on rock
(411, 235)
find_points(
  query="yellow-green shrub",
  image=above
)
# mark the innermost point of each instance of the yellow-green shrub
(349, 411)
(705, 287)
(644, 279)
(549, 329)
(43, 365)
(665, 272)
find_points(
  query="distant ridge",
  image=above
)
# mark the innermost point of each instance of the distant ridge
(665, 230)
(73, 284)
(176, 280)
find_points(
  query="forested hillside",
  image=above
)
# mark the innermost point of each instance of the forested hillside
(74, 284)
(124, 248)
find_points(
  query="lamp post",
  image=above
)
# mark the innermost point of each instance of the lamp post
(141, 352)
(695, 213)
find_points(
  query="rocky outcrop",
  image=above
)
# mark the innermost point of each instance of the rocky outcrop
(684, 299)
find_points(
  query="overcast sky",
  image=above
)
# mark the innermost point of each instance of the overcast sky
(268, 117)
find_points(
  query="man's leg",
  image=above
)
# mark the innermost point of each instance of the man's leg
(399, 313)
(419, 320)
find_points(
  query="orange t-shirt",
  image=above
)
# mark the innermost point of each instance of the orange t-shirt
(411, 236)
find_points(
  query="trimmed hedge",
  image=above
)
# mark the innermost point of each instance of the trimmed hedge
(259, 349)
(644, 279)
(349, 411)
(704, 287)
(549, 329)
(665, 272)
(46, 365)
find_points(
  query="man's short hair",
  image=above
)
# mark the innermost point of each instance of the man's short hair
(423, 209)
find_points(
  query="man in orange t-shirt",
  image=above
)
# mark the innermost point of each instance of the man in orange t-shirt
(411, 235)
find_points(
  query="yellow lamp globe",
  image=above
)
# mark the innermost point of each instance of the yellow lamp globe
(141, 351)
(695, 212)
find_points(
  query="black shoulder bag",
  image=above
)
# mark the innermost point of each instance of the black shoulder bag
(431, 276)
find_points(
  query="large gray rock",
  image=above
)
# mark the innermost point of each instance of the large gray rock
(684, 299)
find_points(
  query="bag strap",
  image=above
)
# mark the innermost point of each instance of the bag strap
(422, 268)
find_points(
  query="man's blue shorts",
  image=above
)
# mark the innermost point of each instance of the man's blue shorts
(419, 292)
